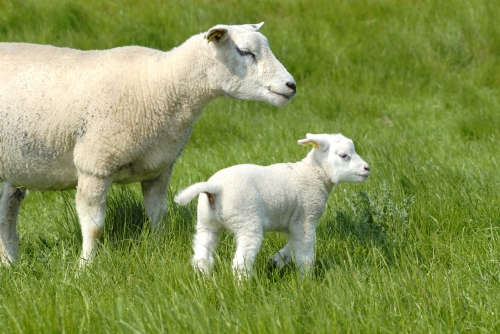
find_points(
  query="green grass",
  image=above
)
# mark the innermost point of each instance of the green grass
(416, 84)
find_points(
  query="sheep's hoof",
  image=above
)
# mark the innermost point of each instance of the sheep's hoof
(272, 265)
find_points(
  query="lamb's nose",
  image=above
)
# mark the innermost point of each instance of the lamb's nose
(367, 168)
(292, 85)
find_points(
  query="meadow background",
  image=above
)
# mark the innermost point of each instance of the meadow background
(414, 249)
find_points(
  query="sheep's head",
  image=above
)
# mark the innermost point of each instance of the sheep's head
(246, 68)
(336, 155)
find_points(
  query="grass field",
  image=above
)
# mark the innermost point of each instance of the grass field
(414, 249)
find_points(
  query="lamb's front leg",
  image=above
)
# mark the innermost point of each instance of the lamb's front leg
(90, 206)
(303, 251)
(155, 197)
(282, 258)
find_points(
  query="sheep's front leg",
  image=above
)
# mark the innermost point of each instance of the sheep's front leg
(282, 258)
(155, 197)
(90, 206)
(10, 202)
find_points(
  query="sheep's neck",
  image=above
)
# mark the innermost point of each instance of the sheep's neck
(184, 87)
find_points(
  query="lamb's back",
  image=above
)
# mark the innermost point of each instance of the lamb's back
(267, 193)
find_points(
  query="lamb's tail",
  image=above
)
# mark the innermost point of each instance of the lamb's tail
(187, 195)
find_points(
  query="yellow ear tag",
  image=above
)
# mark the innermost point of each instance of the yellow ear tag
(313, 143)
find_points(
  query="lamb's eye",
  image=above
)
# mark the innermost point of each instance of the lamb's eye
(343, 155)
(245, 52)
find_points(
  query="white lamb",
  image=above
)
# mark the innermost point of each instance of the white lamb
(290, 198)
(90, 118)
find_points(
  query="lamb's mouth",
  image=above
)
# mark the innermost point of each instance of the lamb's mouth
(364, 175)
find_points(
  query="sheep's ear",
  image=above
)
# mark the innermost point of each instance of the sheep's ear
(253, 27)
(217, 34)
(317, 141)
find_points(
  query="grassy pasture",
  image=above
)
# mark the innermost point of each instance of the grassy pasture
(416, 84)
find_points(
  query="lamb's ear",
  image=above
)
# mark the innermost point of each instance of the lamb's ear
(216, 34)
(253, 27)
(317, 141)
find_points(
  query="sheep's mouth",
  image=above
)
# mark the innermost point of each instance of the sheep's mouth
(364, 175)
(286, 96)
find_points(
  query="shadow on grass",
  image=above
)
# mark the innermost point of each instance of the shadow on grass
(125, 215)
(370, 221)
(126, 226)
(182, 219)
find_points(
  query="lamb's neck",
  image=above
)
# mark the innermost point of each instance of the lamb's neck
(316, 173)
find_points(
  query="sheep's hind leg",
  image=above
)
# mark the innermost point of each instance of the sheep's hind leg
(10, 201)
(155, 197)
(90, 206)
(281, 258)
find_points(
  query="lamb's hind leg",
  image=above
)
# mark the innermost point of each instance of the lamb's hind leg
(205, 243)
(91, 206)
(208, 230)
(10, 202)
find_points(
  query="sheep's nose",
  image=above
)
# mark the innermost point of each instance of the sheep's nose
(292, 85)
(367, 168)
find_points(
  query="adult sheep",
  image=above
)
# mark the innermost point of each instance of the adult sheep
(90, 118)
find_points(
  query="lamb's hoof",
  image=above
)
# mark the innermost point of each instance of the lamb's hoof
(203, 266)
(276, 262)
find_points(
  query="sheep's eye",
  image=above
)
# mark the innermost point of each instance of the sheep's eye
(343, 155)
(245, 52)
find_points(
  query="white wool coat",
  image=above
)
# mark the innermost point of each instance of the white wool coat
(90, 118)
(250, 200)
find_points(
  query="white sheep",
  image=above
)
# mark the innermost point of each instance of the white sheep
(250, 200)
(90, 118)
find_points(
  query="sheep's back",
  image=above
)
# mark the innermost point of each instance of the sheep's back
(51, 98)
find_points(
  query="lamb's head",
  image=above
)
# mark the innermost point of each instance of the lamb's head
(245, 66)
(337, 157)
